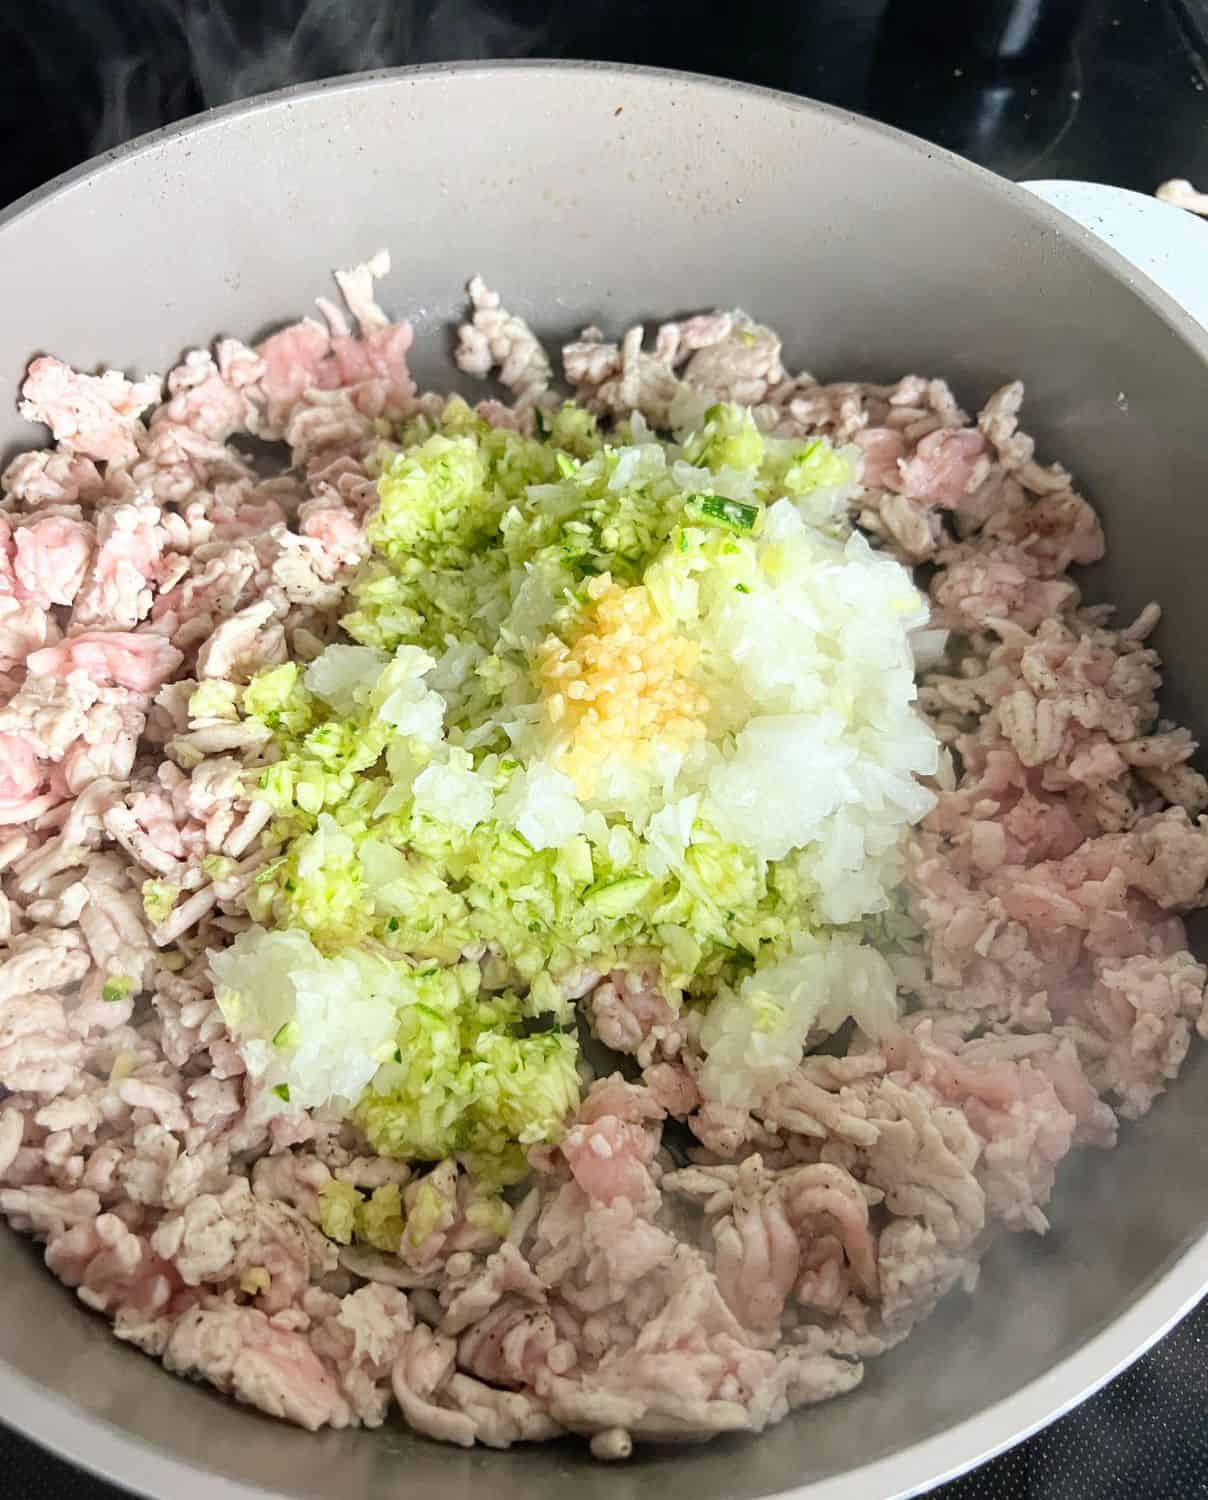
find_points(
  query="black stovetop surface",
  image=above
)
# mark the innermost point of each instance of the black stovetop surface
(1112, 90)
(1090, 89)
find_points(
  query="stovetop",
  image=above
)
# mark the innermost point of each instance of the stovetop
(1112, 90)
(1105, 90)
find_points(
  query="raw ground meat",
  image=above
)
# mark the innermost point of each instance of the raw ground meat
(633, 1292)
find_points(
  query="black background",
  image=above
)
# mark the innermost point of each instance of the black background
(1111, 92)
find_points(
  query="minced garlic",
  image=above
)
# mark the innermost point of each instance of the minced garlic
(623, 684)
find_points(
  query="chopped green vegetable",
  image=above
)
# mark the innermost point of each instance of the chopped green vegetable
(159, 897)
(380, 1221)
(816, 465)
(491, 1214)
(619, 897)
(287, 1035)
(214, 700)
(729, 439)
(118, 987)
(338, 1205)
(429, 1208)
(466, 1081)
(433, 793)
(272, 693)
(716, 510)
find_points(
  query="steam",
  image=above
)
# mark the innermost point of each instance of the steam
(190, 55)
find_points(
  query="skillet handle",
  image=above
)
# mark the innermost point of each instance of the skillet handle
(1167, 244)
